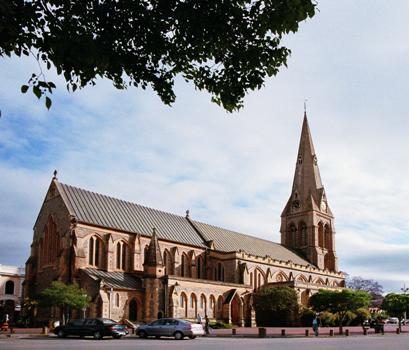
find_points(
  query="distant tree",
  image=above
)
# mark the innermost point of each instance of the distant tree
(226, 47)
(396, 305)
(367, 285)
(275, 306)
(340, 302)
(65, 297)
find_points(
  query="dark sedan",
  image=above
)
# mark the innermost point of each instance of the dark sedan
(170, 327)
(95, 327)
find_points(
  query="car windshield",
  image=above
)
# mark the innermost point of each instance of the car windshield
(75, 322)
(108, 321)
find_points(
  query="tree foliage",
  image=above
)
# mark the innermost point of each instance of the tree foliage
(226, 47)
(340, 302)
(275, 306)
(65, 297)
(367, 285)
(396, 305)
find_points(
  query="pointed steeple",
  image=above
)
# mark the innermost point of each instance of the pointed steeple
(153, 255)
(307, 223)
(307, 179)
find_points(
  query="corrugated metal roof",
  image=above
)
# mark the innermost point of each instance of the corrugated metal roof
(115, 279)
(229, 241)
(97, 209)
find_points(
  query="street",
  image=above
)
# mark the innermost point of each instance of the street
(374, 342)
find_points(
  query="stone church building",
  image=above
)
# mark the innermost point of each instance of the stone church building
(140, 263)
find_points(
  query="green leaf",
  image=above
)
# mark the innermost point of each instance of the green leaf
(37, 91)
(48, 102)
(24, 88)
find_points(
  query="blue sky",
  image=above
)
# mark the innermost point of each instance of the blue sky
(351, 61)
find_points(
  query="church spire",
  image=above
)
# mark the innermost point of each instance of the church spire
(307, 180)
(307, 223)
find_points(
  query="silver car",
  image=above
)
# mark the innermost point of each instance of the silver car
(170, 327)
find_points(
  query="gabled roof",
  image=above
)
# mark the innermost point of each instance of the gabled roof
(230, 241)
(100, 210)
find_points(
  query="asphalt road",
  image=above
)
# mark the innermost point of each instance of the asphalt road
(374, 342)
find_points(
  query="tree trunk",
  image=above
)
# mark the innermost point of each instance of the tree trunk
(341, 321)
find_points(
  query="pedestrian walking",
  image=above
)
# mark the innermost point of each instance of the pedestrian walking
(207, 325)
(316, 325)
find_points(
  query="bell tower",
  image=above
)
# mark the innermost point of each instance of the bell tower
(307, 223)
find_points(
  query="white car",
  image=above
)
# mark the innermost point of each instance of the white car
(170, 327)
(392, 320)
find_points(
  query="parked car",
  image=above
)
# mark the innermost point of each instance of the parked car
(392, 320)
(96, 327)
(170, 327)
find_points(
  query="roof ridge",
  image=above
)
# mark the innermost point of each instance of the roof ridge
(123, 200)
(236, 232)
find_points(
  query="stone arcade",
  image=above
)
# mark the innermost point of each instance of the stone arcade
(140, 263)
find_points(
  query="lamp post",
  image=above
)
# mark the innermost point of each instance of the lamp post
(404, 290)
(84, 309)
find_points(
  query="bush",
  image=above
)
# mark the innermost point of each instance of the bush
(328, 319)
(306, 317)
(276, 306)
(220, 325)
(348, 318)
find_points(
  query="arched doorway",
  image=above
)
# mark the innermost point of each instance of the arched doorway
(236, 310)
(133, 310)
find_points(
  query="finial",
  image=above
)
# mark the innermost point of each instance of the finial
(187, 214)
(305, 106)
(153, 231)
(55, 175)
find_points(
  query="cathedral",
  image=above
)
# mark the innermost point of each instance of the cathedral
(141, 264)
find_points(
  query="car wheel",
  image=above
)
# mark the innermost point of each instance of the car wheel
(178, 335)
(117, 336)
(60, 334)
(142, 334)
(192, 337)
(97, 335)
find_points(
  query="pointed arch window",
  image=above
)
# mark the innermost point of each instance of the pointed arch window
(199, 267)
(94, 251)
(117, 300)
(291, 235)
(220, 272)
(185, 270)
(183, 304)
(327, 237)
(121, 255)
(321, 235)
(167, 260)
(50, 243)
(302, 238)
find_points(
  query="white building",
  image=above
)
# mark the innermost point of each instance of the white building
(11, 288)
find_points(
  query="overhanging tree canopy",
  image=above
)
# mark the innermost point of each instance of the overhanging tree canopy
(226, 47)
